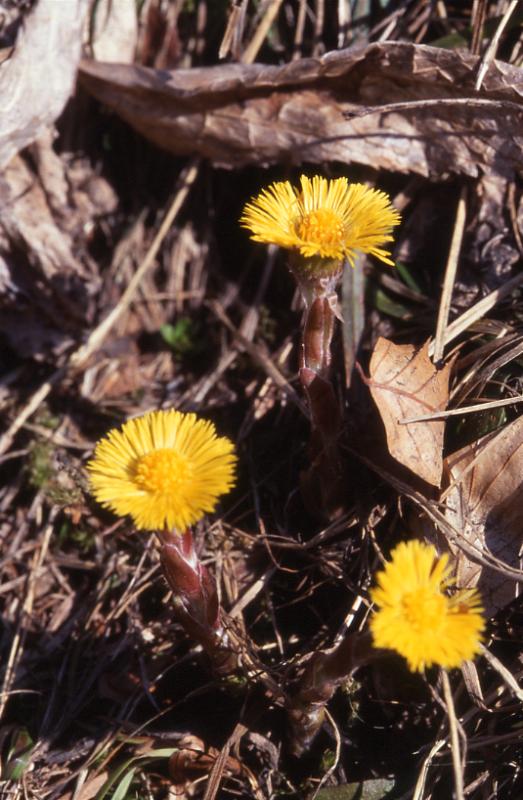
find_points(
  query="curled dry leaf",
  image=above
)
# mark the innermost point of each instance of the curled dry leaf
(89, 789)
(316, 110)
(28, 221)
(484, 503)
(404, 383)
(41, 69)
(45, 288)
(193, 760)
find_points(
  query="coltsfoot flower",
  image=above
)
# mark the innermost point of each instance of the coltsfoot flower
(417, 617)
(164, 469)
(330, 219)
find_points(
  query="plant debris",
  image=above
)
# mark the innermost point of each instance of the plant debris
(131, 137)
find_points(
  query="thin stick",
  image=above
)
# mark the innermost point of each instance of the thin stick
(261, 358)
(319, 22)
(493, 46)
(337, 754)
(496, 106)
(450, 276)
(504, 673)
(454, 412)
(298, 31)
(344, 16)
(81, 354)
(479, 310)
(251, 51)
(479, 15)
(454, 738)
(233, 31)
(422, 777)
(94, 341)
(27, 607)
(32, 405)
(491, 444)
(216, 774)
(252, 592)
(441, 10)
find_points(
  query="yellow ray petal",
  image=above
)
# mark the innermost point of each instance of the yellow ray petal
(417, 618)
(163, 469)
(327, 218)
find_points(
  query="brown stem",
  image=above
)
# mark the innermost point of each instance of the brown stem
(196, 600)
(323, 674)
(317, 336)
(323, 484)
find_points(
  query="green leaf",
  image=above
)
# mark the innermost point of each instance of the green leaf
(407, 277)
(18, 755)
(451, 41)
(120, 793)
(377, 789)
(121, 773)
(391, 307)
(353, 312)
(182, 337)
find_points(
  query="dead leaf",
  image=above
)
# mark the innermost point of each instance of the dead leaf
(27, 222)
(41, 69)
(159, 43)
(44, 296)
(491, 242)
(485, 505)
(404, 383)
(193, 760)
(89, 789)
(314, 110)
(51, 207)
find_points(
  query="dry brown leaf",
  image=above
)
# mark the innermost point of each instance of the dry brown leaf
(310, 109)
(404, 383)
(89, 789)
(27, 220)
(38, 77)
(44, 297)
(48, 278)
(194, 759)
(485, 506)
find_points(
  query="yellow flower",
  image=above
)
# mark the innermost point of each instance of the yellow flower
(326, 218)
(417, 618)
(165, 469)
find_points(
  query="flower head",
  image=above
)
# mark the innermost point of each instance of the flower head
(417, 618)
(165, 469)
(331, 219)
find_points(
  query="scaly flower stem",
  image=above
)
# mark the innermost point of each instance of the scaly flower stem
(323, 481)
(323, 224)
(317, 336)
(314, 370)
(323, 674)
(196, 600)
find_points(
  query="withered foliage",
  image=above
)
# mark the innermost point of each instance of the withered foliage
(337, 107)
(126, 284)
(404, 382)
